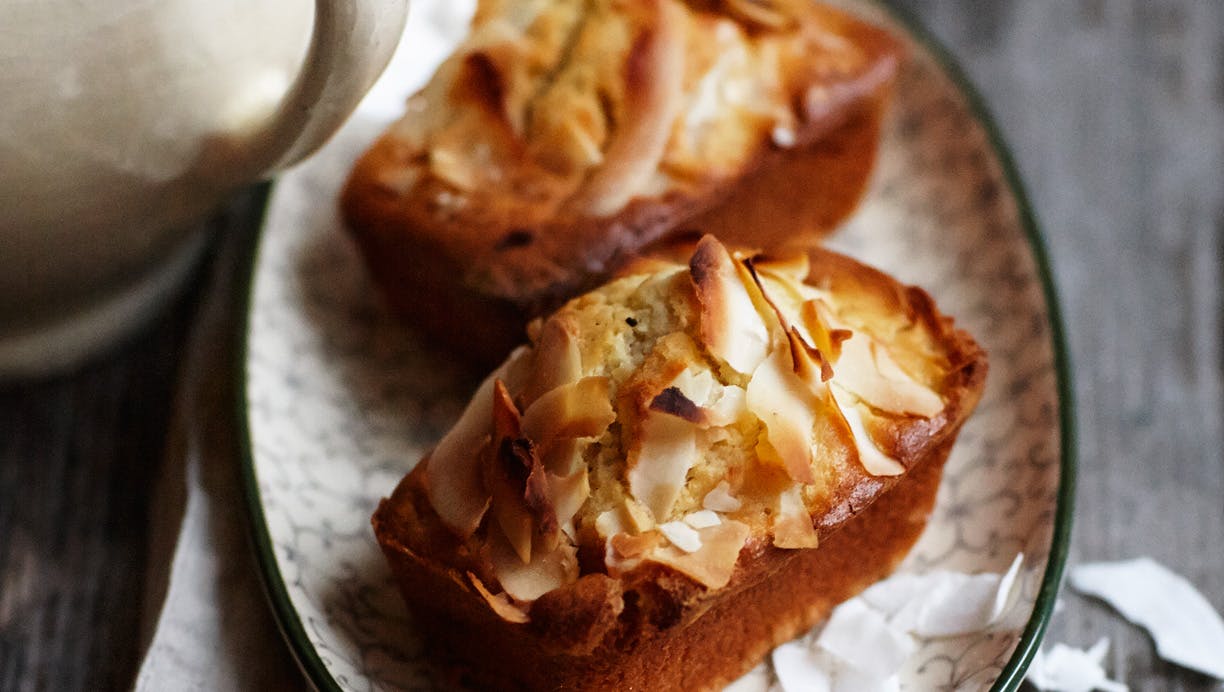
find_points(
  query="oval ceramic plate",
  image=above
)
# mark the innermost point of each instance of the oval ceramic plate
(341, 400)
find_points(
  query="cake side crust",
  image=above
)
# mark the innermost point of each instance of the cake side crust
(735, 630)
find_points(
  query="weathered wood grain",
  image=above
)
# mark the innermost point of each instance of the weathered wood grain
(1115, 111)
(78, 457)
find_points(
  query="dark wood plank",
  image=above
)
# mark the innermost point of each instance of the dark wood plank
(1115, 109)
(78, 457)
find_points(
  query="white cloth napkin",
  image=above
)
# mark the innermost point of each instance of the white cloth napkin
(211, 625)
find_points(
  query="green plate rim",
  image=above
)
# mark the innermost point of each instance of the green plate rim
(287, 618)
(1010, 676)
(1013, 671)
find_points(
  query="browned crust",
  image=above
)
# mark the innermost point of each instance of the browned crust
(804, 193)
(907, 437)
(655, 631)
(434, 284)
(493, 270)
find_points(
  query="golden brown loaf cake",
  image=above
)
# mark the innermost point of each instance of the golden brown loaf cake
(651, 494)
(564, 135)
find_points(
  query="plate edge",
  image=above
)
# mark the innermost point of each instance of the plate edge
(270, 578)
(1014, 670)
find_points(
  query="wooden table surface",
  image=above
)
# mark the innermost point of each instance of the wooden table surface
(1115, 112)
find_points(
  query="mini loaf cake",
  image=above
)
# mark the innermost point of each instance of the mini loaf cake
(565, 135)
(652, 494)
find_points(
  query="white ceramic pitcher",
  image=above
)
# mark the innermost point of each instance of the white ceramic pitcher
(124, 121)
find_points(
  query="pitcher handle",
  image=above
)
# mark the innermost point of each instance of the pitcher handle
(350, 45)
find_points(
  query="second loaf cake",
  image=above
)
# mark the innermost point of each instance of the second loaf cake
(563, 136)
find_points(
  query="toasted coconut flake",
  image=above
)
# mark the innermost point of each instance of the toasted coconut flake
(513, 520)
(616, 563)
(806, 360)
(557, 360)
(809, 364)
(611, 522)
(567, 493)
(681, 535)
(659, 461)
(910, 395)
(729, 404)
(625, 551)
(563, 456)
(730, 326)
(817, 317)
(457, 491)
(702, 519)
(698, 384)
(515, 477)
(712, 403)
(508, 476)
(792, 526)
(453, 469)
(500, 603)
(761, 297)
(870, 373)
(539, 503)
(793, 267)
(714, 563)
(628, 517)
(483, 80)
(506, 419)
(875, 462)
(673, 402)
(632, 547)
(720, 499)
(655, 68)
(568, 147)
(768, 14)
(787, 406)
(576, 409)
(640, 518)
(527, 582)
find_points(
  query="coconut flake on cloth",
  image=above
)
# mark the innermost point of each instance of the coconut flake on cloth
(1067, 669)
(1186, 628)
